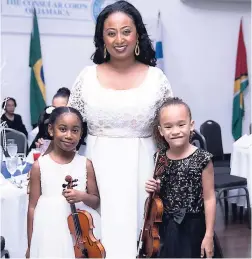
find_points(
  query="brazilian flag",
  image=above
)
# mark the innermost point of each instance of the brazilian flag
(37, 82)
(241, 83)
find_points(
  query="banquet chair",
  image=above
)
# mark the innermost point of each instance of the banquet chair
(198, 140)
(19, 138)
(223, 181)
(211, 130)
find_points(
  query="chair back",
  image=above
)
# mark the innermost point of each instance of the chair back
(211, 130)
(198, 140)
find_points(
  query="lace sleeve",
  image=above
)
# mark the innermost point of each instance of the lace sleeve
(76, 98)
(165, 87)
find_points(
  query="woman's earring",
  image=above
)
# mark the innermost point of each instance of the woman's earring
(137, 49)
(105, 52)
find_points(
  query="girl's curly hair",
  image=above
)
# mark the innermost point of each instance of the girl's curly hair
(147, 53)
(160, 141)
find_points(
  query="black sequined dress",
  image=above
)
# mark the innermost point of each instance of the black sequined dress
(183, 227)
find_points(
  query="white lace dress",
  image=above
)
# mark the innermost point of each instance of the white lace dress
(120, 145)
(51, 236)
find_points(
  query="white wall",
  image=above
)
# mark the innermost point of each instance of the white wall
(200, 43)
(200, 47)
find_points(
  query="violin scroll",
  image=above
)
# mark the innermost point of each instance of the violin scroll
(70, 182)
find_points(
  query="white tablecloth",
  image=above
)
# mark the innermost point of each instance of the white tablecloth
(241, 165)
(14, 204)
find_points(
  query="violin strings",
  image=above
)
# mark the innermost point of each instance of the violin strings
(75, 220)
(78, 232)
(76, 223)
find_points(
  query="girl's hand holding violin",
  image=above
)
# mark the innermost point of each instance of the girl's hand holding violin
(73, 196)
(152, 185)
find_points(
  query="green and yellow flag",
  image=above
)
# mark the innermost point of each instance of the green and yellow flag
(37, 82)
(241, 83)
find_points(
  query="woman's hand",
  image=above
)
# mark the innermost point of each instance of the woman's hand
(152, 185)
(73, 196)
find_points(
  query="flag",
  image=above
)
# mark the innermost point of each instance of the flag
(159, 46)
(37, 83)
(241, 82)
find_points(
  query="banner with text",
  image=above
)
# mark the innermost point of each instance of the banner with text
(87, 10)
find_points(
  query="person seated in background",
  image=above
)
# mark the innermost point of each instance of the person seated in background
(42, 132)
(13, 120)
(59, 99)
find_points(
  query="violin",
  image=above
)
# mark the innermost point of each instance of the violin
(149, 239)
(80, 223)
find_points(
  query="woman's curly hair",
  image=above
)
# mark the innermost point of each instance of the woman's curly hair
(147, 53)
(160, 141)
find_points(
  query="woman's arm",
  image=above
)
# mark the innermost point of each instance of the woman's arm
(35, 192)
(92, 197)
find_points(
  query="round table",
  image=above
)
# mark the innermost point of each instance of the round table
(13, 218)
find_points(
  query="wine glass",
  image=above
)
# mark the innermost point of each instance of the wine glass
(21, 162)
(1, 154)
(21, 166)
(12, 149)
(11, 165)
(43, 148)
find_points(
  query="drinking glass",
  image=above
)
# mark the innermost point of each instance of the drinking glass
(36, 154)
(12, 149)
(10, 141)
(44, 146)
(11, 165)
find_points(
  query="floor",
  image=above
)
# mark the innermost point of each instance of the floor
(235, 236)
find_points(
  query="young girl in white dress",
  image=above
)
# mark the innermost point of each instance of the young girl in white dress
(49, 205)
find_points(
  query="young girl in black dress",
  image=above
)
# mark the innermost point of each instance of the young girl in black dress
(185, 185)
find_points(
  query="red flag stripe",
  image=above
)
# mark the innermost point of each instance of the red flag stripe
(241, 59)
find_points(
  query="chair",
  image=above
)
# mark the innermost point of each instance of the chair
(211, 130)
(20, 140)
(198, 140)
(223, 181)
(4, 252)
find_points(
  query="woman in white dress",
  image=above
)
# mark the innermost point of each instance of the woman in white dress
(118, 97)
